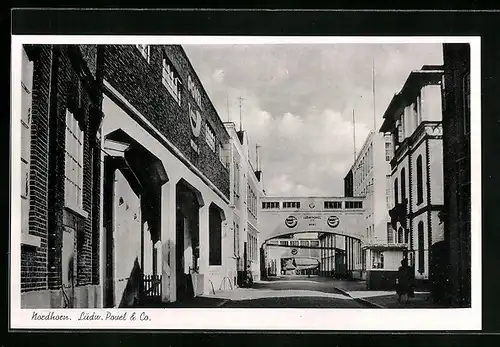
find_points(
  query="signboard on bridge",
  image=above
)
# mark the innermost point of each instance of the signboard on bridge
(278, 223)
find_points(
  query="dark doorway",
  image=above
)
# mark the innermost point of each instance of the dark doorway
(340, 265)
(181, 285)
(109, 169)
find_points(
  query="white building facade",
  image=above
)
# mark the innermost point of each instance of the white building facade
(246, 191)
(413, 119)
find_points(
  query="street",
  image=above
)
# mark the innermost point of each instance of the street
(293, 292)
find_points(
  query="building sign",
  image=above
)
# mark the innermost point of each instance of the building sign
(195, 121)
(312, 205)
(294, 251)
(311, 220)
(333, 221)
(291, 222)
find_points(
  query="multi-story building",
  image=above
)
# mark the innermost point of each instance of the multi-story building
(413, 118)
(165, 178)
(456, 260)
(371, 179)
(60, 166)
(246, 190)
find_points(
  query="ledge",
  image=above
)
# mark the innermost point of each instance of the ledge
(30, 240)
(77, 210)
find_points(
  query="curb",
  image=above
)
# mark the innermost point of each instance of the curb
(360, 300)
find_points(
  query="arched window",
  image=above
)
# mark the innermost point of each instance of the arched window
(403, 185)
(421, 261)
(396, 191)
(420, 183)
(407, 236)
(400, 235)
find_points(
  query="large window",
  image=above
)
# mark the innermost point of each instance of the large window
(291, 204)
(420, 181)
(396, 198)
(403, 185)
(26, 102)
(270, 204)
(400, 235)
(145, 51)
(170, 80)
(215, 237)
(353, 204)
(390, 233)
(210, 137)
(421, 242)
(74, 162)
(333, 204)
(236, 239)
(388, 151)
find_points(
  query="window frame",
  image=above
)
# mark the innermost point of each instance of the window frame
(172, 83)
(77, 204)
(145, 51)
(420, 180)
(210, 137)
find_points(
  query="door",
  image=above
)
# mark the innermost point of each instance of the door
(340, 266)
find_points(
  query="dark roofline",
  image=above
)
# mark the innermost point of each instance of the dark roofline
(417, 79)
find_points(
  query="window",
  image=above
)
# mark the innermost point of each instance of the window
(210, 137)
(291, 204)
(403, 185)
(145, 50)
(332, 204)
(390, 234)
(294, 243)
(400, 235)
(396, 200)
(236, 239)
(170, 80)
(236, 173)
(26, 100)
(421, 262)
(420, 182)
(74, 162)
(353, 204)
(222, 157)
(388, 151)
(466, 99)
(270, 204)
(215, 237)
(283, 243)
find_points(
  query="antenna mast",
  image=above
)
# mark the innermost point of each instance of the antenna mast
(354, 133)
(373, 92)
(241, 126)
(227, 104)
(257, 156)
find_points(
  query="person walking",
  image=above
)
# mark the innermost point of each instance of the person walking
(404, 281)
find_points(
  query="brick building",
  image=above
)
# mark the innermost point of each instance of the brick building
(457, 166)
(165, 178)
(60, 114)
(413, 118)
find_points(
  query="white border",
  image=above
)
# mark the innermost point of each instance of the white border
(262, 319)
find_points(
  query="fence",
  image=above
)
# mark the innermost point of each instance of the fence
(152, 286)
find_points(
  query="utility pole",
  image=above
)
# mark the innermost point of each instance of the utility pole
(241, 126)
(373, 92)
(257, 156)
(227, 104)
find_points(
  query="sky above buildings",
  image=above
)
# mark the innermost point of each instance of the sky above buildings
(298, 102)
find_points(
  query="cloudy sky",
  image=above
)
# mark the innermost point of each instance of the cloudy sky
(298, 101)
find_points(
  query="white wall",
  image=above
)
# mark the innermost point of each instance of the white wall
(127, 233)
(431, 103)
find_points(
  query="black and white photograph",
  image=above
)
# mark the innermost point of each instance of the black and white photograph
(163, 174)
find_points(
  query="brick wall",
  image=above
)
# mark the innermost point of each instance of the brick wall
(34, 260)
(140, 83)
(41, 268)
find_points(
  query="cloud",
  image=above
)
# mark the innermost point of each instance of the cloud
(298, 103)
